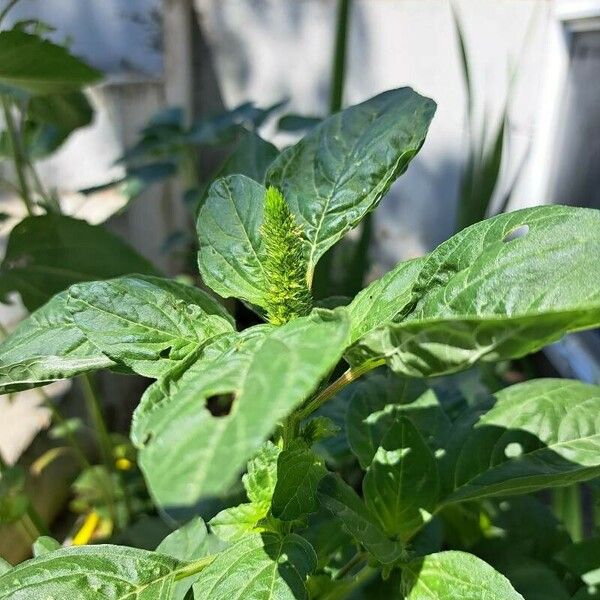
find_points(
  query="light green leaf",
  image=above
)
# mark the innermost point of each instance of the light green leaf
(340, 171)
(232, 524)
(33, 65)
(499, 289)
(231, 256)
(190, 542)
(44, 545)
(541, 433)
(90, 572)
(47, 347)
(344, 504)
(374, 404)
(385, 299)
(299, 471)
(188, 452)
(5, 566)
(259, 567)
(261, 478)
(401, 484)
(146, 323)
(453, 575)
(46, 254)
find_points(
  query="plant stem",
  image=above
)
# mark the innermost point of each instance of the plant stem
(7, 8)
(353, 562)
(19, 157)
(352, 584)
(339, 61)
(95, 412)
(337, 386)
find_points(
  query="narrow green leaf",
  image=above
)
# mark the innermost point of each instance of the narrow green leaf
(265, 372)
(31, 64)
(146, 323)
(401, 484)
(90, 572)
(344, 504)
(299, 471)
(259, 567)
(541, 433)
(500, 289)
(340, 171)
(47, 347)
(453, 575)
(46, 254)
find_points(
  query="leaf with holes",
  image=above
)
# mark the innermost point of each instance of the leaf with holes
(189, 452)
(259, 567)
(499, 289)
(148, 324)
(342, 168)
(541, 433)
(46, 347)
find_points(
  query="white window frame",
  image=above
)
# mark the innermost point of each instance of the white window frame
(570, 17)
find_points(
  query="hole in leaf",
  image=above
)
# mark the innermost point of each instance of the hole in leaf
(220, 404)
(165, 352)
(513, 450)
(517, 233)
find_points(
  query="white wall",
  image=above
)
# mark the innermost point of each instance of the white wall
(270, 49)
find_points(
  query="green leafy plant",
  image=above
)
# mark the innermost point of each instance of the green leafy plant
(368, 470)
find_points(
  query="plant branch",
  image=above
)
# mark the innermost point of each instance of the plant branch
(337, 386)
(339, 62)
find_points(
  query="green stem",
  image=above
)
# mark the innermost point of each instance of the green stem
(337, 386)
(7, 8)
(19, 157)
(353, 562)
(339, 61)
(350, 585)
(194, 567)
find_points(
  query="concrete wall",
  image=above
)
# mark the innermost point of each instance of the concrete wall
(270, 49)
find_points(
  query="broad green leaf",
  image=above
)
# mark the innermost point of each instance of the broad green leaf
(534, 580)
(33, 65)
(401, 484)
(344, 504)
(453, 575)
(340, 171)
(261, 478)
(46, 347)
(251, 157)
(13, 498)
(259, 567)
(299, 471)
(186, 452)
(499, 289)
(188, 543)
(47, 254)
(146, 323)
(44, 545)
(385, 299)
(231, 256)
(541, 433)
(294, 123)
(374, 404)
(92, 572)
(583, 559)
(67, 112)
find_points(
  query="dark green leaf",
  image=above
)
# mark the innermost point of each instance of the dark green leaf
(67, 111)
(294, 123)
(344, 504)
(46, 254)
(340, 171)
(33, 65)
(259, 567)
(500, 289)
(583, 559)
(454, 575)
(13, 499)
(401, 484)
(299, 471)
(266, 372)
(47, 347)
(146, 323)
